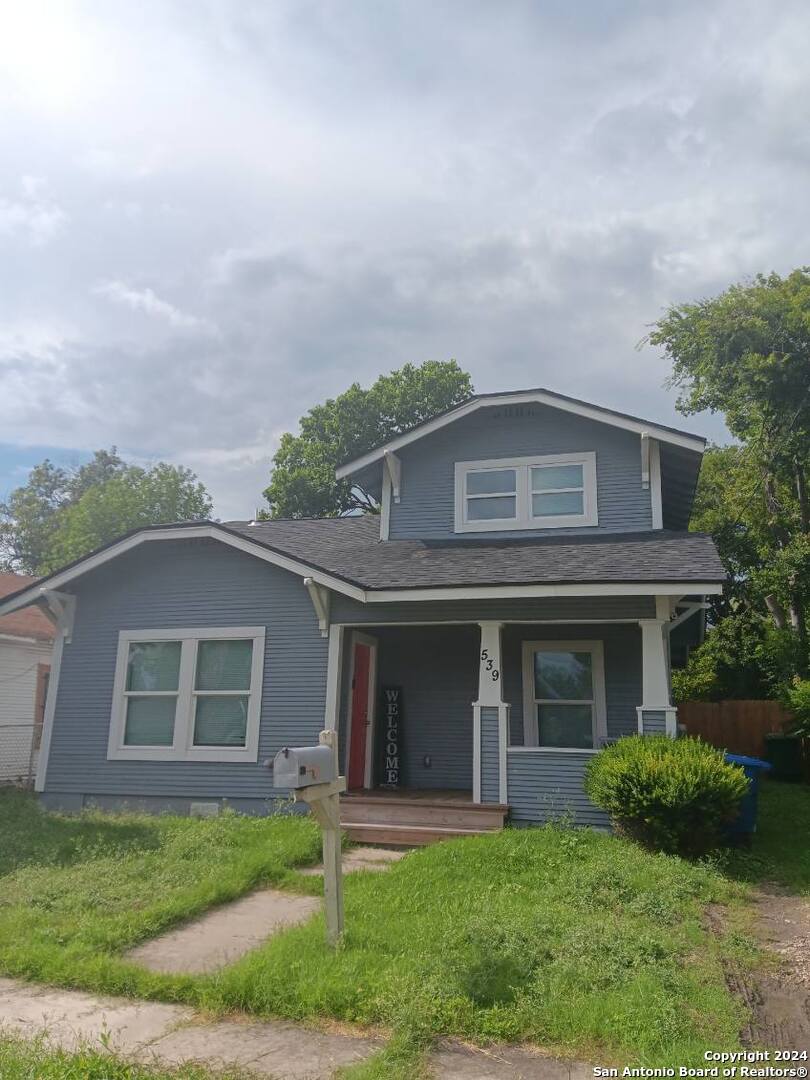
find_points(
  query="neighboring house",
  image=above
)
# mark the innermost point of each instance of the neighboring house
(26, 641)
(505, 615)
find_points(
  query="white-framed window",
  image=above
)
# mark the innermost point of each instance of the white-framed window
(564, 704)
(553, 491)
(187, 695)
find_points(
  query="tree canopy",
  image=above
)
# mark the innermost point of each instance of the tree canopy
(303, 484)
(61, 514)
(746, 354)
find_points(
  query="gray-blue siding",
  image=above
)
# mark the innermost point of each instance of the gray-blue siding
(427, 495)
(547, 786)
(654, 722)
(490, 761)
(184, 584)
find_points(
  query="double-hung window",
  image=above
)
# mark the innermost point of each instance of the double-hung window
(189, 695)
(547, 492)
(564, 705)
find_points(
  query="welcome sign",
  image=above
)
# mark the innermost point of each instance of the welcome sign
(391, 713)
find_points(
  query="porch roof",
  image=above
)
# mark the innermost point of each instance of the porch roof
(350, 548)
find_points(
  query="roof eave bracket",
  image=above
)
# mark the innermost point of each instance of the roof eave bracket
(320, 597)
(393, 467)
(61, 610)
(645, 460)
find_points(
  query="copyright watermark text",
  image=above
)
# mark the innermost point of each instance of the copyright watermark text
(731, 1065)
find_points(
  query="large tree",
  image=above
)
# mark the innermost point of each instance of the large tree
(746, 354)
(61, 514)
(303, 484)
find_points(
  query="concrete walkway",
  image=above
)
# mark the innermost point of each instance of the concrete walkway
(363, 858)
(221, 936)
(225, 934)
(171, 1034)
(153, 1033)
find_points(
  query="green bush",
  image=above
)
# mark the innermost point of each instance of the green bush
(743, 656)
(670, 795)
(798, 701)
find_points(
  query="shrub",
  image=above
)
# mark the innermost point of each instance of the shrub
(743, 656)
(670, 795)
(798, 701)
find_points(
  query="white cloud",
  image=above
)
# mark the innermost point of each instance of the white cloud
(33, 214)
(148, 302)
(221, 221)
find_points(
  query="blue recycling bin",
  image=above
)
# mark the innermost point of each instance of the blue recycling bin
(743, 827)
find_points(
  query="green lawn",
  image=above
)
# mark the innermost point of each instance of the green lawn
(21, 1059)
(781, 852)
(574, 940)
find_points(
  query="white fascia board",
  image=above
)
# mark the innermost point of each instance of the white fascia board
(688, 442)
(39, 591)
(517, 592)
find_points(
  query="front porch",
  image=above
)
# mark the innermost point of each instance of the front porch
(412, 816)
(447, 728)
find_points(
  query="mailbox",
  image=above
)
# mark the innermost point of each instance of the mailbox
(302, 766)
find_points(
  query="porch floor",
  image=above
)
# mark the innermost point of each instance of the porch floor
(409, 817)
(453, 795)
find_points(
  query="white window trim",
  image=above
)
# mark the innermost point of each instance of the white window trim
(182, 748)
(597, 651)
(525, 519)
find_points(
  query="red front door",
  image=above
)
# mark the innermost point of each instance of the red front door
(359, 719)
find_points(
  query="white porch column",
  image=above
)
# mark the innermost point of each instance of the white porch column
(490, 713)
(61, 610)
(334, 670)
(656, 711)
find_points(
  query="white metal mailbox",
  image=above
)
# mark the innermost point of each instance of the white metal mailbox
(302, 766)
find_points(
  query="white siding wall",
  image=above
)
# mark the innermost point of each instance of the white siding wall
(18, 688)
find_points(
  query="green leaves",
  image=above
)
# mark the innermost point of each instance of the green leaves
(60, 515)
(672, 795)
(303, 479)
(746, 354)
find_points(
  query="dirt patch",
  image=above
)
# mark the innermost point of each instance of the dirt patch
(778, 995)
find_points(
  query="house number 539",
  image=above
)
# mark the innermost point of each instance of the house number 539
(489, 665)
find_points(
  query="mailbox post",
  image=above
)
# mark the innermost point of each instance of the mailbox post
(312, 774)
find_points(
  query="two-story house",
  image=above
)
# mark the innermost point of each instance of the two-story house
(506, 613)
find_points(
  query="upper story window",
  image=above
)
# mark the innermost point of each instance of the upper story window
(192, 695)
(549, 492)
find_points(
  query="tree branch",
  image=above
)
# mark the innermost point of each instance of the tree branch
(777, 611)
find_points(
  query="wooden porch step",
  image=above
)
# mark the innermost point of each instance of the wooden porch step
(404, 835)
(443, 813)
(410, 820)
(440, 813)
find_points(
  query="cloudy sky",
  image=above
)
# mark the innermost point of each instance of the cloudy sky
(216, 213)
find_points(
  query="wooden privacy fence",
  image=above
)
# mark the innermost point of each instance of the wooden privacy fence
(737, 726)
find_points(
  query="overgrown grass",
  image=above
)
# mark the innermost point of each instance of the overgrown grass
(78, 891)
(575, 940)
(21, 1059)
(780, 853)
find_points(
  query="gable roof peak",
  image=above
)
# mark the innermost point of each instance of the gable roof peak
(539, 395)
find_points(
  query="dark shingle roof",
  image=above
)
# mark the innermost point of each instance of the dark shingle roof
(350, 548)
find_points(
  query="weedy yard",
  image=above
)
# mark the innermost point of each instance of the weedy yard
(574, 940)
(21, 1059)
